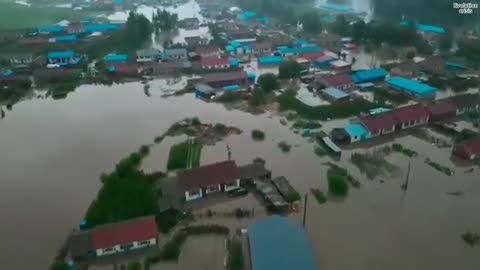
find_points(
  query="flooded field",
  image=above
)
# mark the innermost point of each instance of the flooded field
(54, 151)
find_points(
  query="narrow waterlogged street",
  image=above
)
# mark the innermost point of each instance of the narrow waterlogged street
(55, 150)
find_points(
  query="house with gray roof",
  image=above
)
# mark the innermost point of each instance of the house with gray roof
(176, 53)
(148, 55)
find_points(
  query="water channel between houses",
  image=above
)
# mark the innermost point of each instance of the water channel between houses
(53, 152)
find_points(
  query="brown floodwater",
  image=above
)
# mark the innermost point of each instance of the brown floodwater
(53, 151)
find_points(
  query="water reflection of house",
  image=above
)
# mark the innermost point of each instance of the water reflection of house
(165, 68)
(114, 238)
(217, 177)
(279, 243)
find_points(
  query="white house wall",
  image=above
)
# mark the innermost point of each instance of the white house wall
(189, 197)
(118, 248)
(228, 188)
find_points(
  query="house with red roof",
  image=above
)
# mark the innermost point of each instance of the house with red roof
(411, 116)
(215, 63)
(114, 238)
(340, 81)
(217, 177)
(379, 124)
(469, 150)
(208, 51)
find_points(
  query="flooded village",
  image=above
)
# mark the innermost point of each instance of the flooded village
(215, 135)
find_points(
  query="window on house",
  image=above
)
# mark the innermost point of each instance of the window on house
(194, 193)
(212, 188)
(107, 249)
(126, 246)
(144, 242)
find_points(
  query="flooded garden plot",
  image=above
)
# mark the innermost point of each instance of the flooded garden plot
(195, 255)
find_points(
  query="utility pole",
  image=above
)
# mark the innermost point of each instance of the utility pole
(305, 210)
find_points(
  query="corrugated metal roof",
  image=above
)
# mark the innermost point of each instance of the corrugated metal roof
(356, 130)
(335, 93)
(212, 174)
(411, 86)
(269, 60)
(65, 54)
(281, 244)
(116, 58)
(369, 75)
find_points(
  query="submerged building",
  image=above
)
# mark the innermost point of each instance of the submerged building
(279, 243)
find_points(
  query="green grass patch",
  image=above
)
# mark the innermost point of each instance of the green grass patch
(258, 135)
(338, 185)
(235, 256)
(319, 196)
(440, 168)
(401, 149)
(284, 146)
(14, 16)
(184, 155)
(288, 101)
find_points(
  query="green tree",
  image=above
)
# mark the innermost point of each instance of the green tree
(59, 265)
(164, 20)
(359, 31)
(289, 69)
(311, 21)
(257, 98)
(446, 42)
(337, 185)
(340, 26)
(268, 82)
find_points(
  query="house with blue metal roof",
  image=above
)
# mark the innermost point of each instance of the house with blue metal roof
(357, 132)
(279, 243)
(411, 87)
(65, 39)
(337, 8)
(60, 57)
(55, 29)
(425, 28)
(115, 58)
(103, 27)
(335, 95)
(270, 60)
(288, 51)
(364, 76)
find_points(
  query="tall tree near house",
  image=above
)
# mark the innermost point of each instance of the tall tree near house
(311, 21)
(268, 82)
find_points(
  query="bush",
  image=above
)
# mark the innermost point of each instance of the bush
(319, 196)
(235, 256)
(258, 135)
(228, 97)
(337, 185)
(268, 82)
(397, 147)
(289, 69)
(320, 151)
(167, 220)
(471, 239)
(134, 266)
(285, 147)
(220, 130)
(158, 139)
(258, 98)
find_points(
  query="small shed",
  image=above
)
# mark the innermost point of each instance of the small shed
(286, 190)
(204, 91)
(356, 132)
(335, 95)
(279, 243)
